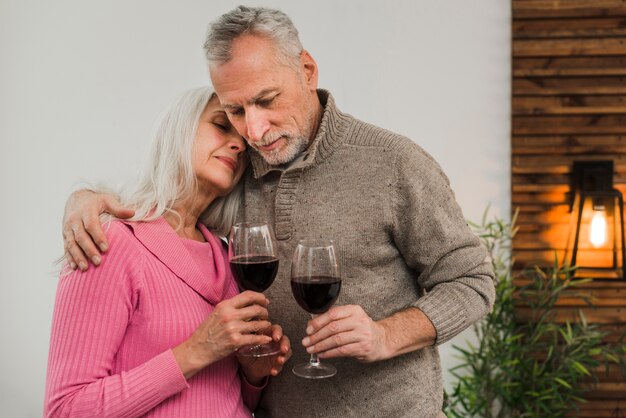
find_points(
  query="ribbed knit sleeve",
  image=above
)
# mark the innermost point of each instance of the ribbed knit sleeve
(250, 393)
(435, 240)
(92, 312)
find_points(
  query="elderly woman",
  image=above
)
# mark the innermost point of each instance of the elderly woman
(154, 329)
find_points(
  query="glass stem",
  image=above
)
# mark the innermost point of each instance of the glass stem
(314, 360)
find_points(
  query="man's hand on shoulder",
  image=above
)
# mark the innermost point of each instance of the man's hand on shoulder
(83, 235)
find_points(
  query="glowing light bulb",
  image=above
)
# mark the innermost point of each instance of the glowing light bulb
(598, 229)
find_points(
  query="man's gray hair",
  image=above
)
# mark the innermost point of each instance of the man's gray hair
(270, 23)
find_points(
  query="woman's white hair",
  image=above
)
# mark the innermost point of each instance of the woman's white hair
(168, 177)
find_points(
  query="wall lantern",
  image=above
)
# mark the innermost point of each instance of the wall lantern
(596, 234)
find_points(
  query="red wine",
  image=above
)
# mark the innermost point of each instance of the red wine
(254, 272)
(315, 294)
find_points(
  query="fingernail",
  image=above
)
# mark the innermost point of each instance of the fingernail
(309, 330)
(82, 265)
(96, 259)
(73, 265)
(306, 341)
(310, 350)
(103, 246)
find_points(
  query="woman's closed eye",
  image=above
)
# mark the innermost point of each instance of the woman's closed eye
(223, 124)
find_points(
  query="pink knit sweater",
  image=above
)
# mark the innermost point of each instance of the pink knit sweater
(114, 326)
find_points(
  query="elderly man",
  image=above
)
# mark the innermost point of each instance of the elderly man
(413, 273)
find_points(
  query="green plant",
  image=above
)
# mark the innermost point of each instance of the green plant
(528, 365)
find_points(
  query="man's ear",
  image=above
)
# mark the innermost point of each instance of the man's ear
(309, 67)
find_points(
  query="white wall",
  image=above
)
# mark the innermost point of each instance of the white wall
(81, 83)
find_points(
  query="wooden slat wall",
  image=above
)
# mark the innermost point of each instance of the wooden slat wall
(568, 103)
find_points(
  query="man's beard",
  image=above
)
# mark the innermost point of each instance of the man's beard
(294, 146)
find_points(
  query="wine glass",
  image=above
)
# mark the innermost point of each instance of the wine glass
(315, 284)
(252, 253)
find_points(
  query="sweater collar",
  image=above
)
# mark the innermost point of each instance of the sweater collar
(330, 134)
(161, 240)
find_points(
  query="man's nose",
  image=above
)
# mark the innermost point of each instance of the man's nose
(257, 125)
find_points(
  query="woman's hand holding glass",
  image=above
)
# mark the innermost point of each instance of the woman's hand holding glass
(232, 325)
(257, 368)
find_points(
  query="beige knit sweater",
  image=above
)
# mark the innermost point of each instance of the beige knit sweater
(402, 241)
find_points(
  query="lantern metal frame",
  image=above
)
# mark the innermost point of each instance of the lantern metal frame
(594, 180)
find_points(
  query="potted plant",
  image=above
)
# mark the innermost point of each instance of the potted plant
(529, 366)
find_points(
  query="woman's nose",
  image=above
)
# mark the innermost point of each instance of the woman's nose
(238, 145)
